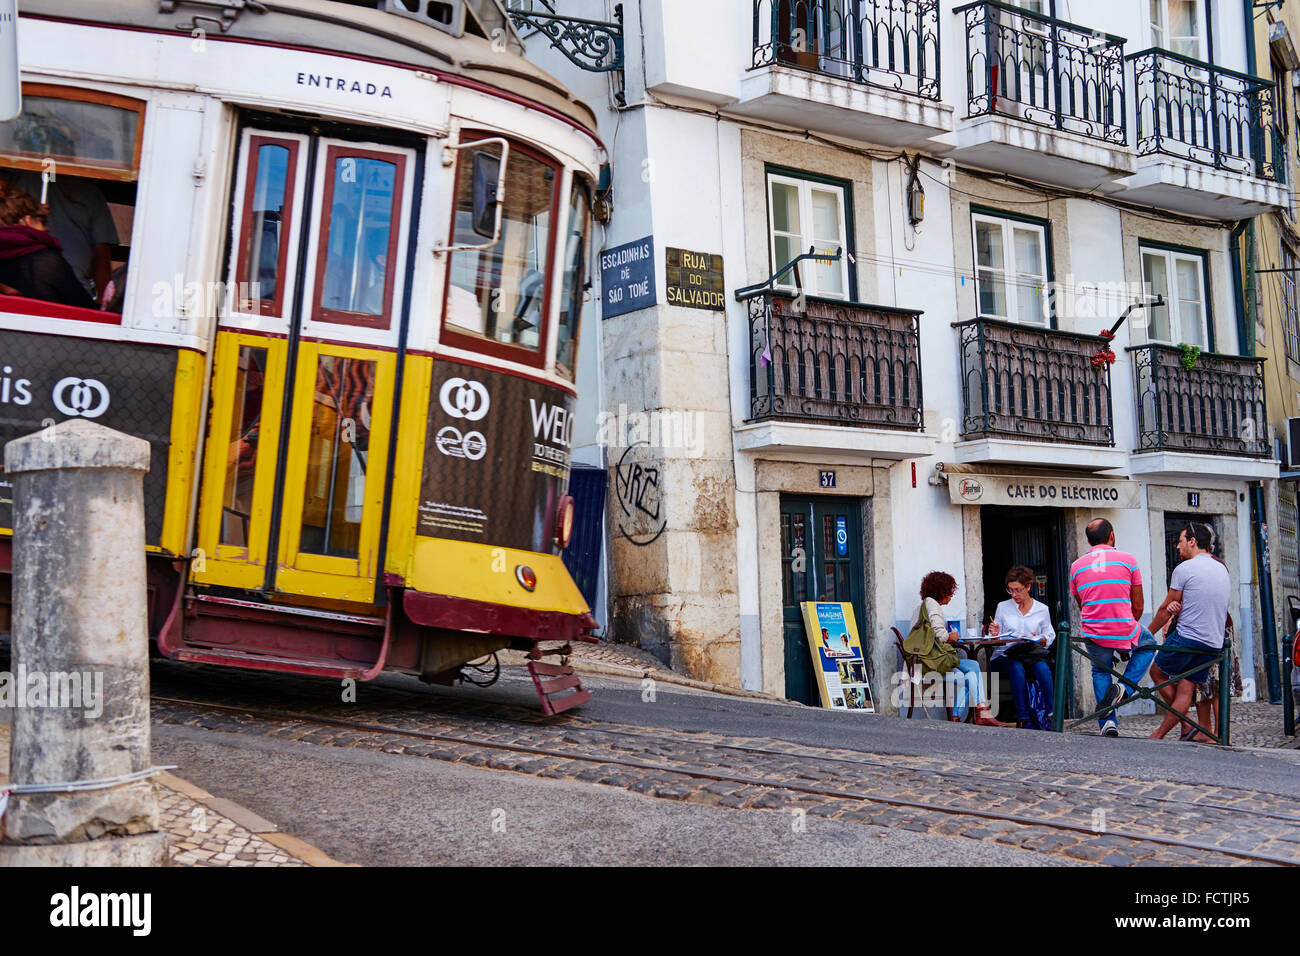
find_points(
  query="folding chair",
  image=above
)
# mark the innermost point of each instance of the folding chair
(914, 676)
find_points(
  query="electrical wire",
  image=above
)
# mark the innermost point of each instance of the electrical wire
(1051, 192)
(492, 671)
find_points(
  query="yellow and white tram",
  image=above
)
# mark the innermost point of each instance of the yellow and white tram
(353, 245)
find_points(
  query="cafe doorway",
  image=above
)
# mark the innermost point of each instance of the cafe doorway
(1174, 524)
(1034, 537)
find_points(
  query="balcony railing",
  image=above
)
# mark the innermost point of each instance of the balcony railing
(1033, 384)
(826, 360)
(1206, 114)
(1044, 71)
(887, 43)
(1214, 407)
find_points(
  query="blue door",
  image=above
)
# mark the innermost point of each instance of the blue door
(582, 556)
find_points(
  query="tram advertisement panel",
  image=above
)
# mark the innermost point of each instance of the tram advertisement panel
(496, 458)
(48, 379)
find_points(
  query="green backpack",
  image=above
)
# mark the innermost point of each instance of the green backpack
(936, 655)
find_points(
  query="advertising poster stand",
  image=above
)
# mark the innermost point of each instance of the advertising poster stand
(838, 661)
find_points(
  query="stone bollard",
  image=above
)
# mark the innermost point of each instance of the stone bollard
(80, 625)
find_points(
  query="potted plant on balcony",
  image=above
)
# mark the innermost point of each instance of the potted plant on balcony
(1191, 355)
(1104, 356)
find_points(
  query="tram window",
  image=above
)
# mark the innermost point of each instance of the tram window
(241, 456)
(499, 293)
(79, 152)
(83, 133)
(575, 276)
(356, 260)
(336, 465)
(268, 210)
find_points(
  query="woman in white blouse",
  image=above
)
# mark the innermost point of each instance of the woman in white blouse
(1030, 623)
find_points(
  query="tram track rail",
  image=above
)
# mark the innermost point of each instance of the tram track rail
(721, 776)
(530, 720)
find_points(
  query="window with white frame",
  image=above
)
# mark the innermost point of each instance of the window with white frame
(1180, 278)
(1010, 269)
(806, 213)
(1291, 320)
(1176, 26)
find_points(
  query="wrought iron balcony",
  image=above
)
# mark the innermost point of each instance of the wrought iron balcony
(1044, 71)
(892, 44)
(826, 360)
(1033, 384)
(1215, 406)
(1206, 114)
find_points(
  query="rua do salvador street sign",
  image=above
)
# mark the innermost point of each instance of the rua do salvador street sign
(694, 279)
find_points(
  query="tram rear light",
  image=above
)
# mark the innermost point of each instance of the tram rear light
(526, 577)
(564, 522)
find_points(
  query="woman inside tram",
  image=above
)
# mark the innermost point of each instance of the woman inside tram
(31, 260)
(934, 646)
(1030, 624)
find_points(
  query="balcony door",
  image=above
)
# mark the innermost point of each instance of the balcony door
(1178, 26)
(809, 213)
(304, 365)
(1179, 277)
(1010, 269)
(1019, 48)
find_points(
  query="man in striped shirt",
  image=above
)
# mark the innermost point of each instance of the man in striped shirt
(1107, 586)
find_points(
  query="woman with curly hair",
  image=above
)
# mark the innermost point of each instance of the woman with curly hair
(932, 643)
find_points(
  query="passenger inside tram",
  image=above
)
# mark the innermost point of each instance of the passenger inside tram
(32, 263)
(76, 153)
(79, 218)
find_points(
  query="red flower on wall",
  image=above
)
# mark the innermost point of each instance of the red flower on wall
(1105, 355)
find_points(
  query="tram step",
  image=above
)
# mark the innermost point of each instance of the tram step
(565, 679)
(215, 606)
(268, 662)
(550, 670)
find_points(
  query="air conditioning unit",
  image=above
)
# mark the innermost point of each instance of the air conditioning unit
(1292, 460)
(484, 18)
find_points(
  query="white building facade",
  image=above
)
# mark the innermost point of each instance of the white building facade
(1004, 182)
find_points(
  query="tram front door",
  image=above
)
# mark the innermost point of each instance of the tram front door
(301, 412)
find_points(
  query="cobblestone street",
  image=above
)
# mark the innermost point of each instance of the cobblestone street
(1071, 798)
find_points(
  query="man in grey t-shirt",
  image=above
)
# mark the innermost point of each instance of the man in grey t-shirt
(1203, 583)
(1198, 593)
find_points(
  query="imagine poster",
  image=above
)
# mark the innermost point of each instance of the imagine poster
(838, 660)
